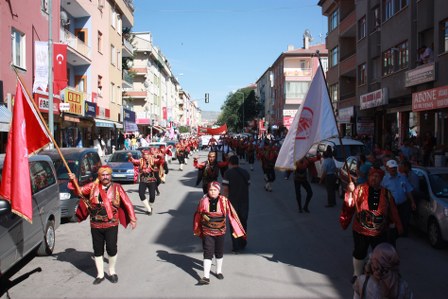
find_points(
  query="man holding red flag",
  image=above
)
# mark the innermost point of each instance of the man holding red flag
(27, 135)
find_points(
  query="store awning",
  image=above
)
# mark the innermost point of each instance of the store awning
(159, 128)
(102, 123)
(5, 118)
(130, 127)
(119, 125)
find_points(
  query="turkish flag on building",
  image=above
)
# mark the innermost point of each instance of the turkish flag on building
(26, 136)
(59, 67)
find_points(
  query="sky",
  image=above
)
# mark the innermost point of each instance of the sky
(220, 46)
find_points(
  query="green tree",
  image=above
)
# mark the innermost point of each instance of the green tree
(234, 114)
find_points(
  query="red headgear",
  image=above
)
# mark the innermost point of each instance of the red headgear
(379, 171)
(215, 185)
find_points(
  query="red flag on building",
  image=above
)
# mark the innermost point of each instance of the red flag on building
(60, 67)
(26, 136)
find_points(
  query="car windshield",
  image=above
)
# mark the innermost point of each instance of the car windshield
(350, 150)
(61, 170)
(122, 157)
(439, 184)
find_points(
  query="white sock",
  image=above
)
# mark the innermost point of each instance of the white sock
(207, 267)
(219, 265)
(358, 266)
(99, 263)
(112, 262)
(147, 206)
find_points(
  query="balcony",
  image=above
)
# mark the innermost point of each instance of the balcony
(78, 52)
(347, 66)
(298, 72)
(141, 71)
(128, 48)
(127, 79)
(347, 26)
(134, 94)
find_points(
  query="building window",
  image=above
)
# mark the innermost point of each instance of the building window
(81, 83)
(376, 69)
(334, 56)
(113, 55)
(334, 20)
(444, 36)
(113, 20)
(334, 92)
(100, 86)
(118, 93)
(401, 4)
(44, 5)
(296, 90)
(119, 24)
(388, 62)
(388, 9)
(402, 55)
(100, 42)
(362, 28)
(18, 49)
(376, 19)
(362, 74)
(112, 92)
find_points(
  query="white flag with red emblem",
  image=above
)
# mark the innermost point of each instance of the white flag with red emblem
(313, 122)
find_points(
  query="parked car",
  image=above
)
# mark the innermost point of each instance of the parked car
(84, 163)
(350, 147)
(343, 174)
(432, 204)
(18, 237)
(122, 170)
(172, 143)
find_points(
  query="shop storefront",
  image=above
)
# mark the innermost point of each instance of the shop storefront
(43, 103)
(432, 107)
(345, 120)
(373, 103)
(129, 121)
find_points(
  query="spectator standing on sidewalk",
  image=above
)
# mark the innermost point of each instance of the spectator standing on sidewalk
(329, 177)
(236, 182)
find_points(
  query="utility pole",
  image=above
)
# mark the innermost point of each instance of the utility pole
(50, 69)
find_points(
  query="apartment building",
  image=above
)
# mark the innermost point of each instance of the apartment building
(386, 68)
(283, 86)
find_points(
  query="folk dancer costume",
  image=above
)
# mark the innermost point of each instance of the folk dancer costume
(147, 168)
(209, 223)
(250, 153)
(268, 156)
(208, 171)
(107, 206)
(180, 154)
(374, 211)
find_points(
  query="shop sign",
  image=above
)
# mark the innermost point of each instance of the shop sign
(64, 107)
(102, 112)
(289, 112)
(44, 104)
(421, 74)
(89, 109)
(345, 114)
(128, 115)
(374, 99)
(75, 99)
(365, 127)
(430, 99)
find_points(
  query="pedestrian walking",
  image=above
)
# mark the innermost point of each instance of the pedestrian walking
(300, 180)
(236, 182)
(373, 209)
(382, 277)
(209, 223)
(148, 168)
(329, 177)
(106, 203)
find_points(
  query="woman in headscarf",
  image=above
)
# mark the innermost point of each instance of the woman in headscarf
(382, 278)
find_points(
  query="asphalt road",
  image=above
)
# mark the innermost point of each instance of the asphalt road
(289, 255)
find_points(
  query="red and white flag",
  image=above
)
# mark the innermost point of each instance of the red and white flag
(313, 122)
(26, 136)
(59, 67)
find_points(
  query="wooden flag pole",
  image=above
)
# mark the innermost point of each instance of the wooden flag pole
(335, 121)
(78, 189)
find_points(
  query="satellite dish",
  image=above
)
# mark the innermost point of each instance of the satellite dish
(64, 19)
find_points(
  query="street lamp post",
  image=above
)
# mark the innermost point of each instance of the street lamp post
(242, 93)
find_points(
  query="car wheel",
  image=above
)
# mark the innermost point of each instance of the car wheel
(434, 234)
(49, 240)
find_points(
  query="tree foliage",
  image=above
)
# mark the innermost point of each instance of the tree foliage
(235, 114)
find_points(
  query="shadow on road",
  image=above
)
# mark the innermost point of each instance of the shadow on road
(188, 264)
(82, 260)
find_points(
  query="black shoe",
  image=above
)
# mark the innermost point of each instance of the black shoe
(306, 210)
(329, 205)
(220, 276)
(354, 278)
(114, 278)
(148, 213)
(235, 251)
(157, 193)
(98, 280)
(204, 281)
(300, 211)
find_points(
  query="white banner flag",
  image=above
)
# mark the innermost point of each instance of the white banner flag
(41, 66)
(313, 122)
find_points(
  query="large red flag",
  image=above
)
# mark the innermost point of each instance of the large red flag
(60, 67)
(26, 136)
